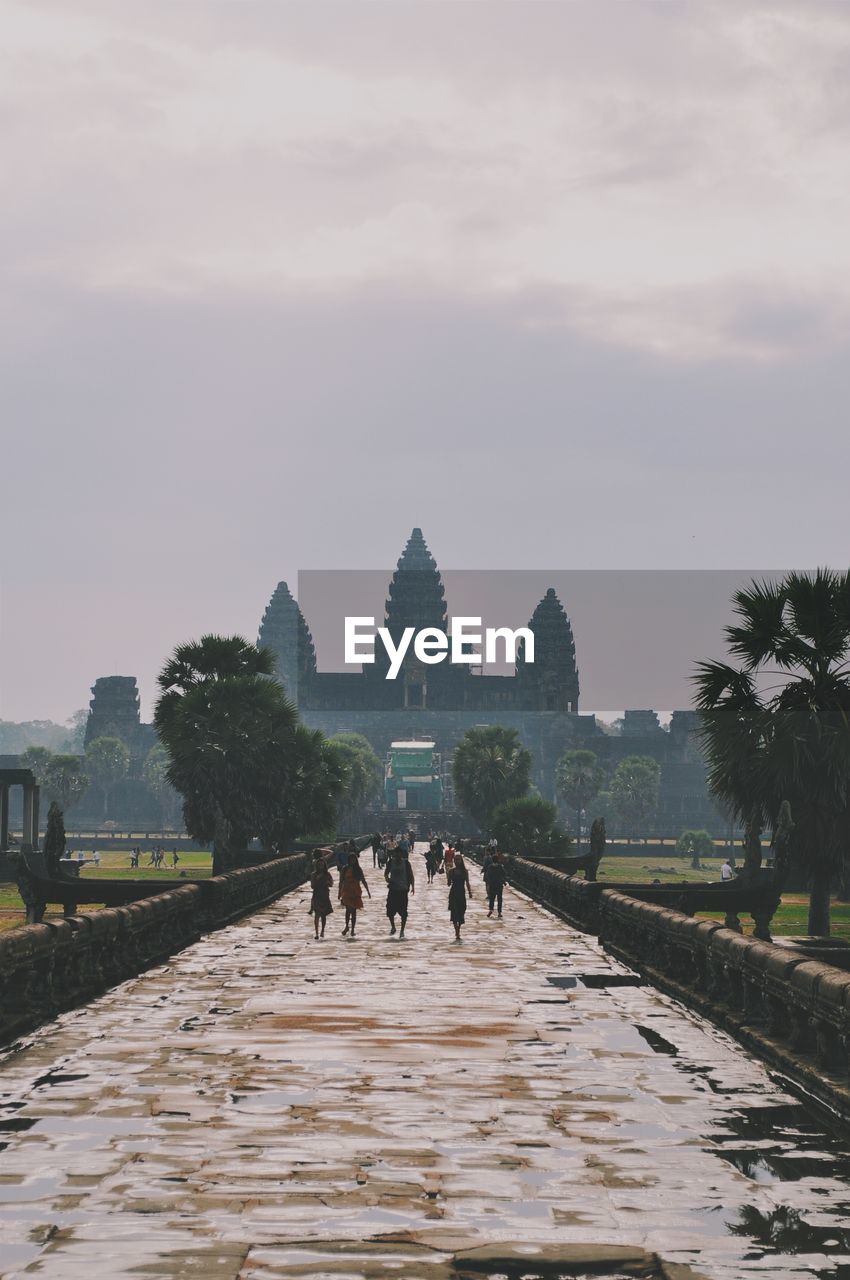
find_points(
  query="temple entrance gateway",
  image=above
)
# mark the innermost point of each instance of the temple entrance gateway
(24, 778)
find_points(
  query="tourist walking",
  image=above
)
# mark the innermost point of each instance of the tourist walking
(376, 844)
(494, 880)
(400, 883)
(459, 891)
(321, 881)
(432, 863)
(350, 894)
(448, 859)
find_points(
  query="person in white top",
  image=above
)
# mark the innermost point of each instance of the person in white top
(727, 871)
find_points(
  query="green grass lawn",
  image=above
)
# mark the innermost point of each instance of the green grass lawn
(791, 918)
(114, 865)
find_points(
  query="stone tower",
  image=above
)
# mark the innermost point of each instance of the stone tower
(114, 713)
(550, 683)
(284, 631)
(415, 598)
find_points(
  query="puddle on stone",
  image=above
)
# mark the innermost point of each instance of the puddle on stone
(656, 1042)
(271, 1099)
(785, 1230)
(57, 1077)
(17, 1124)
(595, 981)
(782, 1143)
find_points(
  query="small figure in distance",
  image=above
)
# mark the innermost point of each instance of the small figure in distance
(494, 879)
(400, 882)
(320, 899)
(376, 844)
(459, 891)
(432, 862)
(448, 859)
(175, 858)
(727, 871)
(350, 894)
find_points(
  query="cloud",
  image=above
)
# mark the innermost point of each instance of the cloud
(278, 147)
(560, 283)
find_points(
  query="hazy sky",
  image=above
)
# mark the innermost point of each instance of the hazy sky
(566, 284)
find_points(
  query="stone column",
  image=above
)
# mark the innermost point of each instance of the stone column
(4, 817)
(26, 833)
(36, 797)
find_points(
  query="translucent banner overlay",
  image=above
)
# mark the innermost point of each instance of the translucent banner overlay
(638, 634)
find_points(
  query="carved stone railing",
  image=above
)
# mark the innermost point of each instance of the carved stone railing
(48, 968)
(791, 1011)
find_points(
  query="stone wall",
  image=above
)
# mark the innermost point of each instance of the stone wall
(792, 1012)
(48, 968)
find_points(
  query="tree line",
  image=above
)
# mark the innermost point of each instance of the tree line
(65, 778)
(492, 779)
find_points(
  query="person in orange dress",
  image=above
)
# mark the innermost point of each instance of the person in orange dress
(350, 894)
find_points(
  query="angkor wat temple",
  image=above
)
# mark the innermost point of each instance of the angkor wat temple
(440, 702)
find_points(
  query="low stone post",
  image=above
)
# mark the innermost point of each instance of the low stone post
(4, 817)
(26, 835)
(36, 796)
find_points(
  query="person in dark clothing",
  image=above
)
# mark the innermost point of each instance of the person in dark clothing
(400, 882)
(459, 891)
(494, 880)
(376, 844)
(432, 863)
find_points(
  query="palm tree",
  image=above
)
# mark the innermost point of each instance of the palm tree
(635, 787)
(238, 755)
(490, 767)
(579, 778)
(790, 741)
(225, 737)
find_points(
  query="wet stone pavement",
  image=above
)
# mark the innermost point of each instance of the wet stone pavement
(268, 1106)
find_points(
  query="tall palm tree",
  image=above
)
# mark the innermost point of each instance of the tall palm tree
(789, 741)
(230, 733)
(579, 778)
(490, 767)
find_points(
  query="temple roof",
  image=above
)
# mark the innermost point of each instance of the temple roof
(416, 596)
(554, 667)
(285, 631)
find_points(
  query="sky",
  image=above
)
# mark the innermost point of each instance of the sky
(565, 284)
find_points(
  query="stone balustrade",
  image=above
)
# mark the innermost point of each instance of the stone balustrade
(50, 967)
(791, 1011)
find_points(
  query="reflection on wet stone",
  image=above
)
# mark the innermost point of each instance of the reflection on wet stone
(268, 1106)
